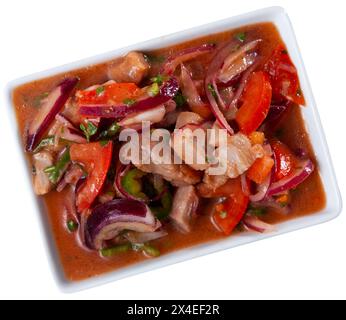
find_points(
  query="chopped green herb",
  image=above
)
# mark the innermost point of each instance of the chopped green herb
(284, 51)
(100, 90)
(129, 102)
(159, 79)
(154, 89)
(223, 214)
(114, 128)
(33, 170)
(54, 172)
(37, 101)
(49, 141)
(212, 90)
(110, 132)
(72, 226)
(151, 251)
(299, 92)
(257, 211)
(241, 36)
(180, 100)
(89, 130)
(110, 252)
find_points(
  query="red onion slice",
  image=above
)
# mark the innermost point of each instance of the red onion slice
(185, 55)
(107, 220)
(61, 118)
(167, 91)
(144, 237)
(300, 175)
(68, 131)
(262, 190)
(234, 69)
(72, 135)
(50, 108)
(255, 224)
(272, 204)
(242, 84)
(154, 115)
(213, 71)
(215, 108)
(226, 56)
(189, 89)
(72, 176)
(121, 172)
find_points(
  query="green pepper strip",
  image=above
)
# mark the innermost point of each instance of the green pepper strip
(163, 212)
(132, 184)
(110, 252)
(151, 251)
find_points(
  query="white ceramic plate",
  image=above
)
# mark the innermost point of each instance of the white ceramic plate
(333, 206)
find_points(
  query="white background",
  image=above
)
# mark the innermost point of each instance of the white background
(37, 35)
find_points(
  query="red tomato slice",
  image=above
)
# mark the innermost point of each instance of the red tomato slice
(96, 160)
(256, 102)
(284, 158)
(228, 214)
(284, 77)
(114, 93)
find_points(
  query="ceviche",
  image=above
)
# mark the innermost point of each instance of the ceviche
(239, 90)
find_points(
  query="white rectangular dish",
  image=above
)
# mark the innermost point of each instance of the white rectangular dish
(333, 207)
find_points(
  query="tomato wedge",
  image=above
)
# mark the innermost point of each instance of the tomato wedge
(114, 93)
(229, 213)
(284, 158)
(96, 160)
(256, 102)
(284, 77)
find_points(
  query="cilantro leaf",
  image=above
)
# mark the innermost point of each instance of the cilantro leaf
(180, 100)
(54, 172)
(129, 102)
(100, 90)
(88, 130)
(49, 141)
(241, 36)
